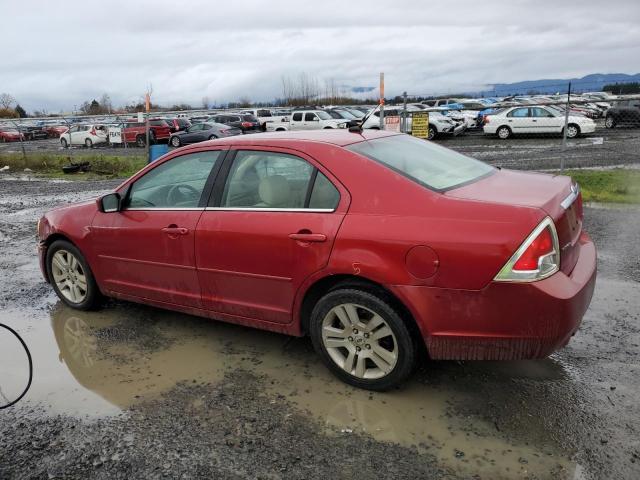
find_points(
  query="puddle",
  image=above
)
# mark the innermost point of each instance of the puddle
(99, 363)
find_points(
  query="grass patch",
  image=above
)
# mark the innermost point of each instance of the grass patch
(50, 165)
(608, 186)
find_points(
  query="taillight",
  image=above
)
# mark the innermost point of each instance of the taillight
(485, 120)
(538, 257)
(93, 131)
(247, 124)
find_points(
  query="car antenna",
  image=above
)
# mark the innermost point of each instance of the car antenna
(358, 128)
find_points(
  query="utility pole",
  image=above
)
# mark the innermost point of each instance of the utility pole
(381, 100)
(404, 113)
(566, 123)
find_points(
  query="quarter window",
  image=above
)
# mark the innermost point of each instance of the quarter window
(324, 195)
(178, 183)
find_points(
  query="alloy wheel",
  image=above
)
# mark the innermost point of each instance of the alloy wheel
(69, 276)
(359, 341)
(572, 131)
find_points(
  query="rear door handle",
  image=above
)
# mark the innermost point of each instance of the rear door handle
(172, 230)
(308, 237)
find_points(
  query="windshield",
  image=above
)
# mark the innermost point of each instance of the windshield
(435, 167)
(323, 115)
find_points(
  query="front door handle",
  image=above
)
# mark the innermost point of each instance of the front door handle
(174, 230)
(308, 237)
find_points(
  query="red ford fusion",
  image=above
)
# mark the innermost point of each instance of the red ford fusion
(379, 246)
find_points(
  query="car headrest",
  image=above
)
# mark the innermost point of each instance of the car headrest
(274, 190)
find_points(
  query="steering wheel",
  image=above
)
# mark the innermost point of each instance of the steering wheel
(175, 195)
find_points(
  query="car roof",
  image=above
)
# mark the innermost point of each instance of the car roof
(338, 137)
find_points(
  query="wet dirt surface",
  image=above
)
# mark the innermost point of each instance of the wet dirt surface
(132, 391)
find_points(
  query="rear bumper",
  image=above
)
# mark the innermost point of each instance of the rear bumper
(504, 321)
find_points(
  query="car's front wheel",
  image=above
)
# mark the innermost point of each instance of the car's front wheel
(504, 133)
(71, 276)
(63, 142)
(362, 339)
(141, 141)
(212, 137)
(572, 131)
(431, 134)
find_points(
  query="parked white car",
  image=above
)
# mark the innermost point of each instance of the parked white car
(307, 120)
(439, 124)
(532, 120)
(265, 116)
(87, 135)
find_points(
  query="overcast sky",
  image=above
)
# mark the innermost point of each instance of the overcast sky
(57, 54)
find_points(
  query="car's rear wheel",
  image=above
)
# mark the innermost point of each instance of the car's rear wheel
(609, 122)
(432, 132)
(140, 141)
(88, 143)
(212, 137)
(573, 130)
(175, 141)
(64, 143)
(71, 276)
(504, 132)
(362, 339)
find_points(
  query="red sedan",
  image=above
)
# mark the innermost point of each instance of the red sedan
(10, 135)
(371, 243)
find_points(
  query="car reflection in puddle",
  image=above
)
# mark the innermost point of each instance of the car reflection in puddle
(129, 354)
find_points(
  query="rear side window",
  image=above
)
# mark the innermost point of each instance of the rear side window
(297, 117)
(430, 165)
(158, 123)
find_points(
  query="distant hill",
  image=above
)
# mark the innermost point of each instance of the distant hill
(589, 83)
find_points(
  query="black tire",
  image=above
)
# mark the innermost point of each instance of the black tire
(328, 128)
(506, 132)
(152, 137)
(405, 343)
(433, 133)
(572, 127)
(212, 137)
(175, 141)
(93, 297)
(280, 129)
(610, 122)
(141, 141)
(88, 143)
(63, 142)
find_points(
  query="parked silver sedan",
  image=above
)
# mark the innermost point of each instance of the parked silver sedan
(200, 132)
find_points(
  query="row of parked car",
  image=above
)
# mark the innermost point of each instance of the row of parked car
(502, 117)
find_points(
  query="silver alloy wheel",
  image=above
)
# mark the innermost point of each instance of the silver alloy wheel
(572, 131)
(359, 341)
(609, 122)
(69, 276)
(175, 141)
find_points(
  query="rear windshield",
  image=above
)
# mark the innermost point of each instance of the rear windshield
(158, 123)
(430, 165)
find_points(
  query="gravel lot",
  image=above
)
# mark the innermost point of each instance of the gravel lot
(136, 392)
(620, 146)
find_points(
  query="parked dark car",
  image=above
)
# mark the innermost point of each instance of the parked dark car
(177, 124)
(201, 132)
(623, 114)
(247, 123)
(33, 132)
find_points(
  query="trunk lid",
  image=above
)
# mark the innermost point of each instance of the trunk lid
(550, 193)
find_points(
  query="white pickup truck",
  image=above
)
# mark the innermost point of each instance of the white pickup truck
(265, 116)
(307, 120)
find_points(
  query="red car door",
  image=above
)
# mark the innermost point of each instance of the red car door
(146, 250)
(272, 223)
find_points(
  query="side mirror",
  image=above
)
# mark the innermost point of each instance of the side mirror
(110, 203)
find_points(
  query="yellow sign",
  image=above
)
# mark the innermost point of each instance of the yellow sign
(420, 125)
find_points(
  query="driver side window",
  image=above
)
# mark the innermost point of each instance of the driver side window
(178, 183)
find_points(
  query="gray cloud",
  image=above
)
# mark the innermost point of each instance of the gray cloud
(57, 54)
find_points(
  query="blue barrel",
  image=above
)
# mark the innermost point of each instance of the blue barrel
(156, 151)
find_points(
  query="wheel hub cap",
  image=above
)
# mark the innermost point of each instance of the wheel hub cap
(69, 276)
(359, 341)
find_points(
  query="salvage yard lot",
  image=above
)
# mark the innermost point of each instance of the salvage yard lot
(136, 392)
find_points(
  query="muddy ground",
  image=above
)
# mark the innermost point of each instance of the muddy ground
(605, 147)
(136, 392)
